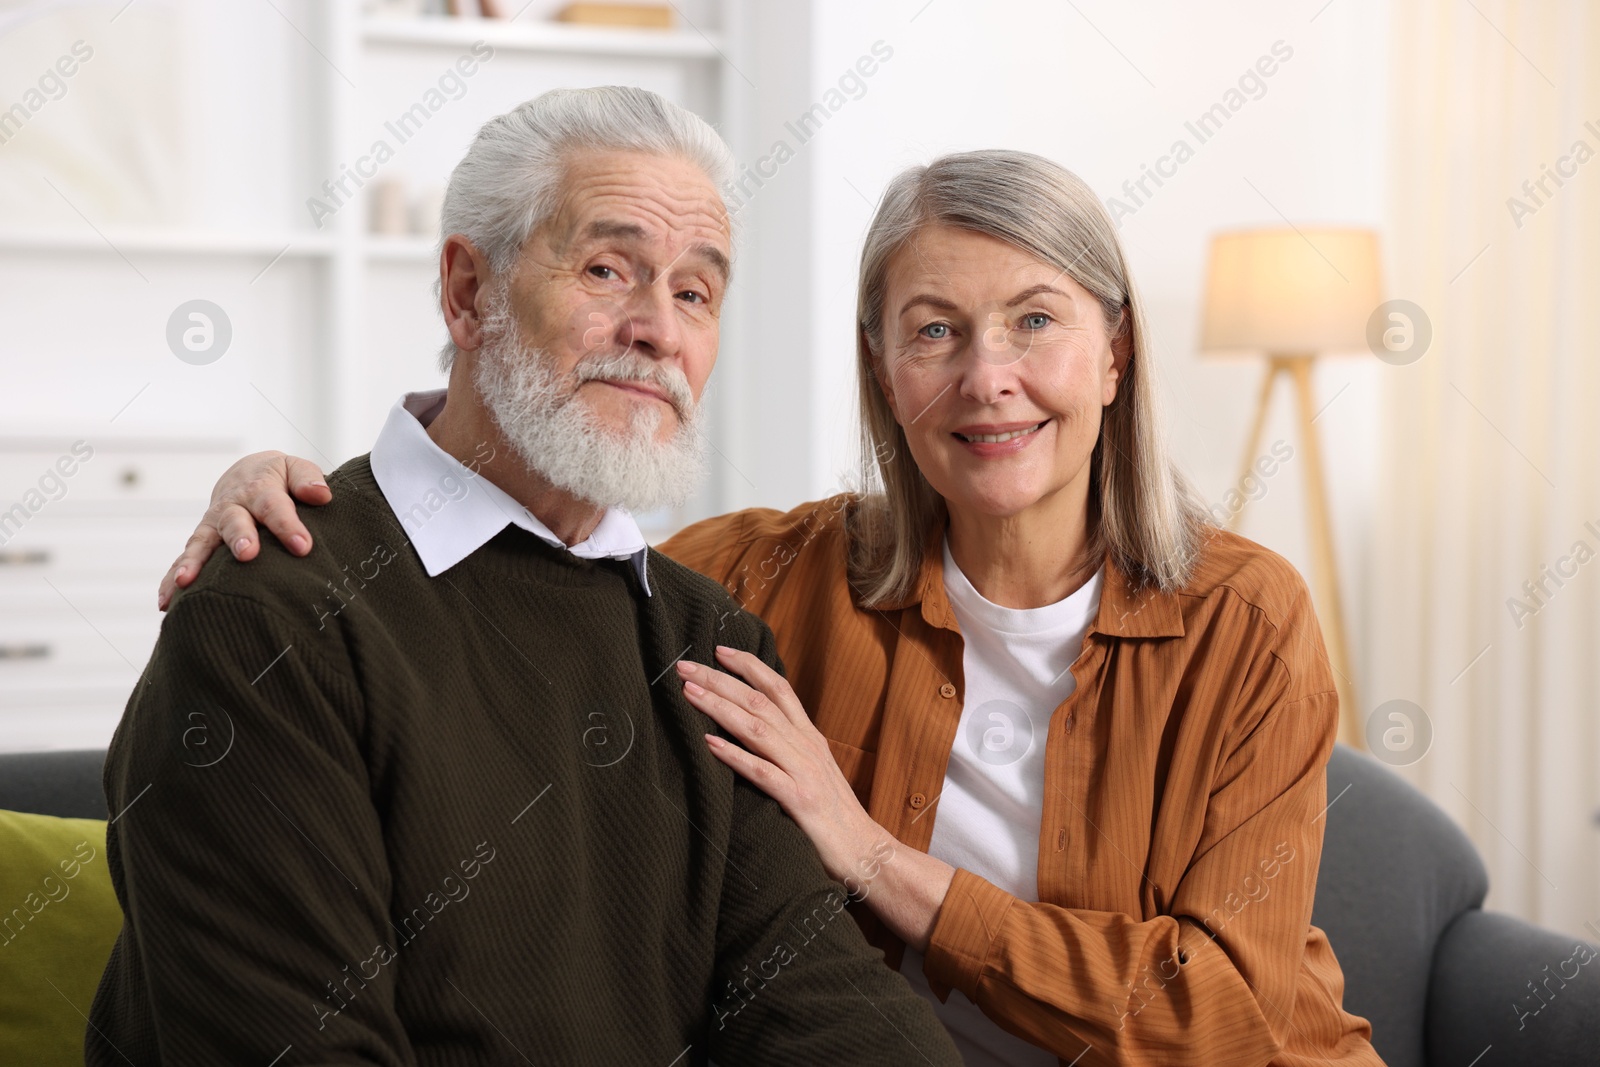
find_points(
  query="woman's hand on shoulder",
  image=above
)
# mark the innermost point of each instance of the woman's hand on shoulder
(785, 756)
(255, 489)
(784, 753)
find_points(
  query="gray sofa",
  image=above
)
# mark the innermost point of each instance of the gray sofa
(1444, 983)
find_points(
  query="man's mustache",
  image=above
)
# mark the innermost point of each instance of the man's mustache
(627, 366)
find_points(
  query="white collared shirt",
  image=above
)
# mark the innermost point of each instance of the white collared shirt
(450, 511)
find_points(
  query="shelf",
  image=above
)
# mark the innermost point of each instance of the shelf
(373, 247)
(539, 37)
(113, 239)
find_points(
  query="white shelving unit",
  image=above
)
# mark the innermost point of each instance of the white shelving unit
(330, 323)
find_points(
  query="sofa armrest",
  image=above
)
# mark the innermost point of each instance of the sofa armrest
(63, 784)
(1530, 993)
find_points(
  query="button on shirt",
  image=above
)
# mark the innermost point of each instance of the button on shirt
(449, 511)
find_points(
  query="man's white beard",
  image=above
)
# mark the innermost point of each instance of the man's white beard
(560, 437)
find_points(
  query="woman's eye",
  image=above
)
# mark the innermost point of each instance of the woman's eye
(1036, 321)
(605, 273)
(935, 331)
(692, 297)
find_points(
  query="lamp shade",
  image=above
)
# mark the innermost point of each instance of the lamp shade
(1285, 291)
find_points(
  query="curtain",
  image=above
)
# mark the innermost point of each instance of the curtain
(1486, 580)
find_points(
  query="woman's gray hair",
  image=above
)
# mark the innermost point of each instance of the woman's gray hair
(510, 180)
(1141, 507)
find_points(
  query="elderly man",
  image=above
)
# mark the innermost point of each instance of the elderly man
(439, 798)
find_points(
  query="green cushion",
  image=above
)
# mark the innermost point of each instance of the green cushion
(58, 918)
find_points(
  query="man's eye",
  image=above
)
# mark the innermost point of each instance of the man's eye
(935, 331)
(605, 273)
(692, 297)
(1036, 321)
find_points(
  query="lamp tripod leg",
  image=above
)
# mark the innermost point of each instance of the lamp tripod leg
(1268, 380)
(1325, 574)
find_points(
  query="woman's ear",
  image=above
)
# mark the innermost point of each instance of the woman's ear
(463, 277)
(1121, 352)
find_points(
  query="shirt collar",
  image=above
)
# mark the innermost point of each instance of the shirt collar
(450, 511)
(1125, 611)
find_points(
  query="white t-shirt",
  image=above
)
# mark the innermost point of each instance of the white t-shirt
(1017, 663)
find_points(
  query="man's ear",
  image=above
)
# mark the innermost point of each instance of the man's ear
(464, 278)
(1121, 353)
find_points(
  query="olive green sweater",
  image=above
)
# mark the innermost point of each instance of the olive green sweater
(362, 816)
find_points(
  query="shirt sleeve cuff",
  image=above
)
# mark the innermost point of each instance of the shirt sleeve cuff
(967, 927)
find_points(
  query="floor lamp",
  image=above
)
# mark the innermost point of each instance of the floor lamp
(1290, 296)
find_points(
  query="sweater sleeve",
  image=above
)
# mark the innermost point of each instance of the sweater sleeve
(246, 854)
(796, 982)
(1215, 979)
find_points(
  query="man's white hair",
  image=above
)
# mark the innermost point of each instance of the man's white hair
(510, 180)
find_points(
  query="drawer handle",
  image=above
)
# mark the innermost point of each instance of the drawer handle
(24, 652)
(30, 558)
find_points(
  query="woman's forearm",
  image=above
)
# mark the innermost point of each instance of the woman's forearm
(907, 888)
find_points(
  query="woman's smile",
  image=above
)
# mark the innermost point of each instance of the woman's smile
(988, 441)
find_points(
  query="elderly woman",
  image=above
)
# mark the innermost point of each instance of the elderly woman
(1060, 737)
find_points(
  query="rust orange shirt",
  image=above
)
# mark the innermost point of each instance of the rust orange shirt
(1185, 790)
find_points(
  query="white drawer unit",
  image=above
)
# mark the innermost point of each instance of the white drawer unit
(88, 525)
